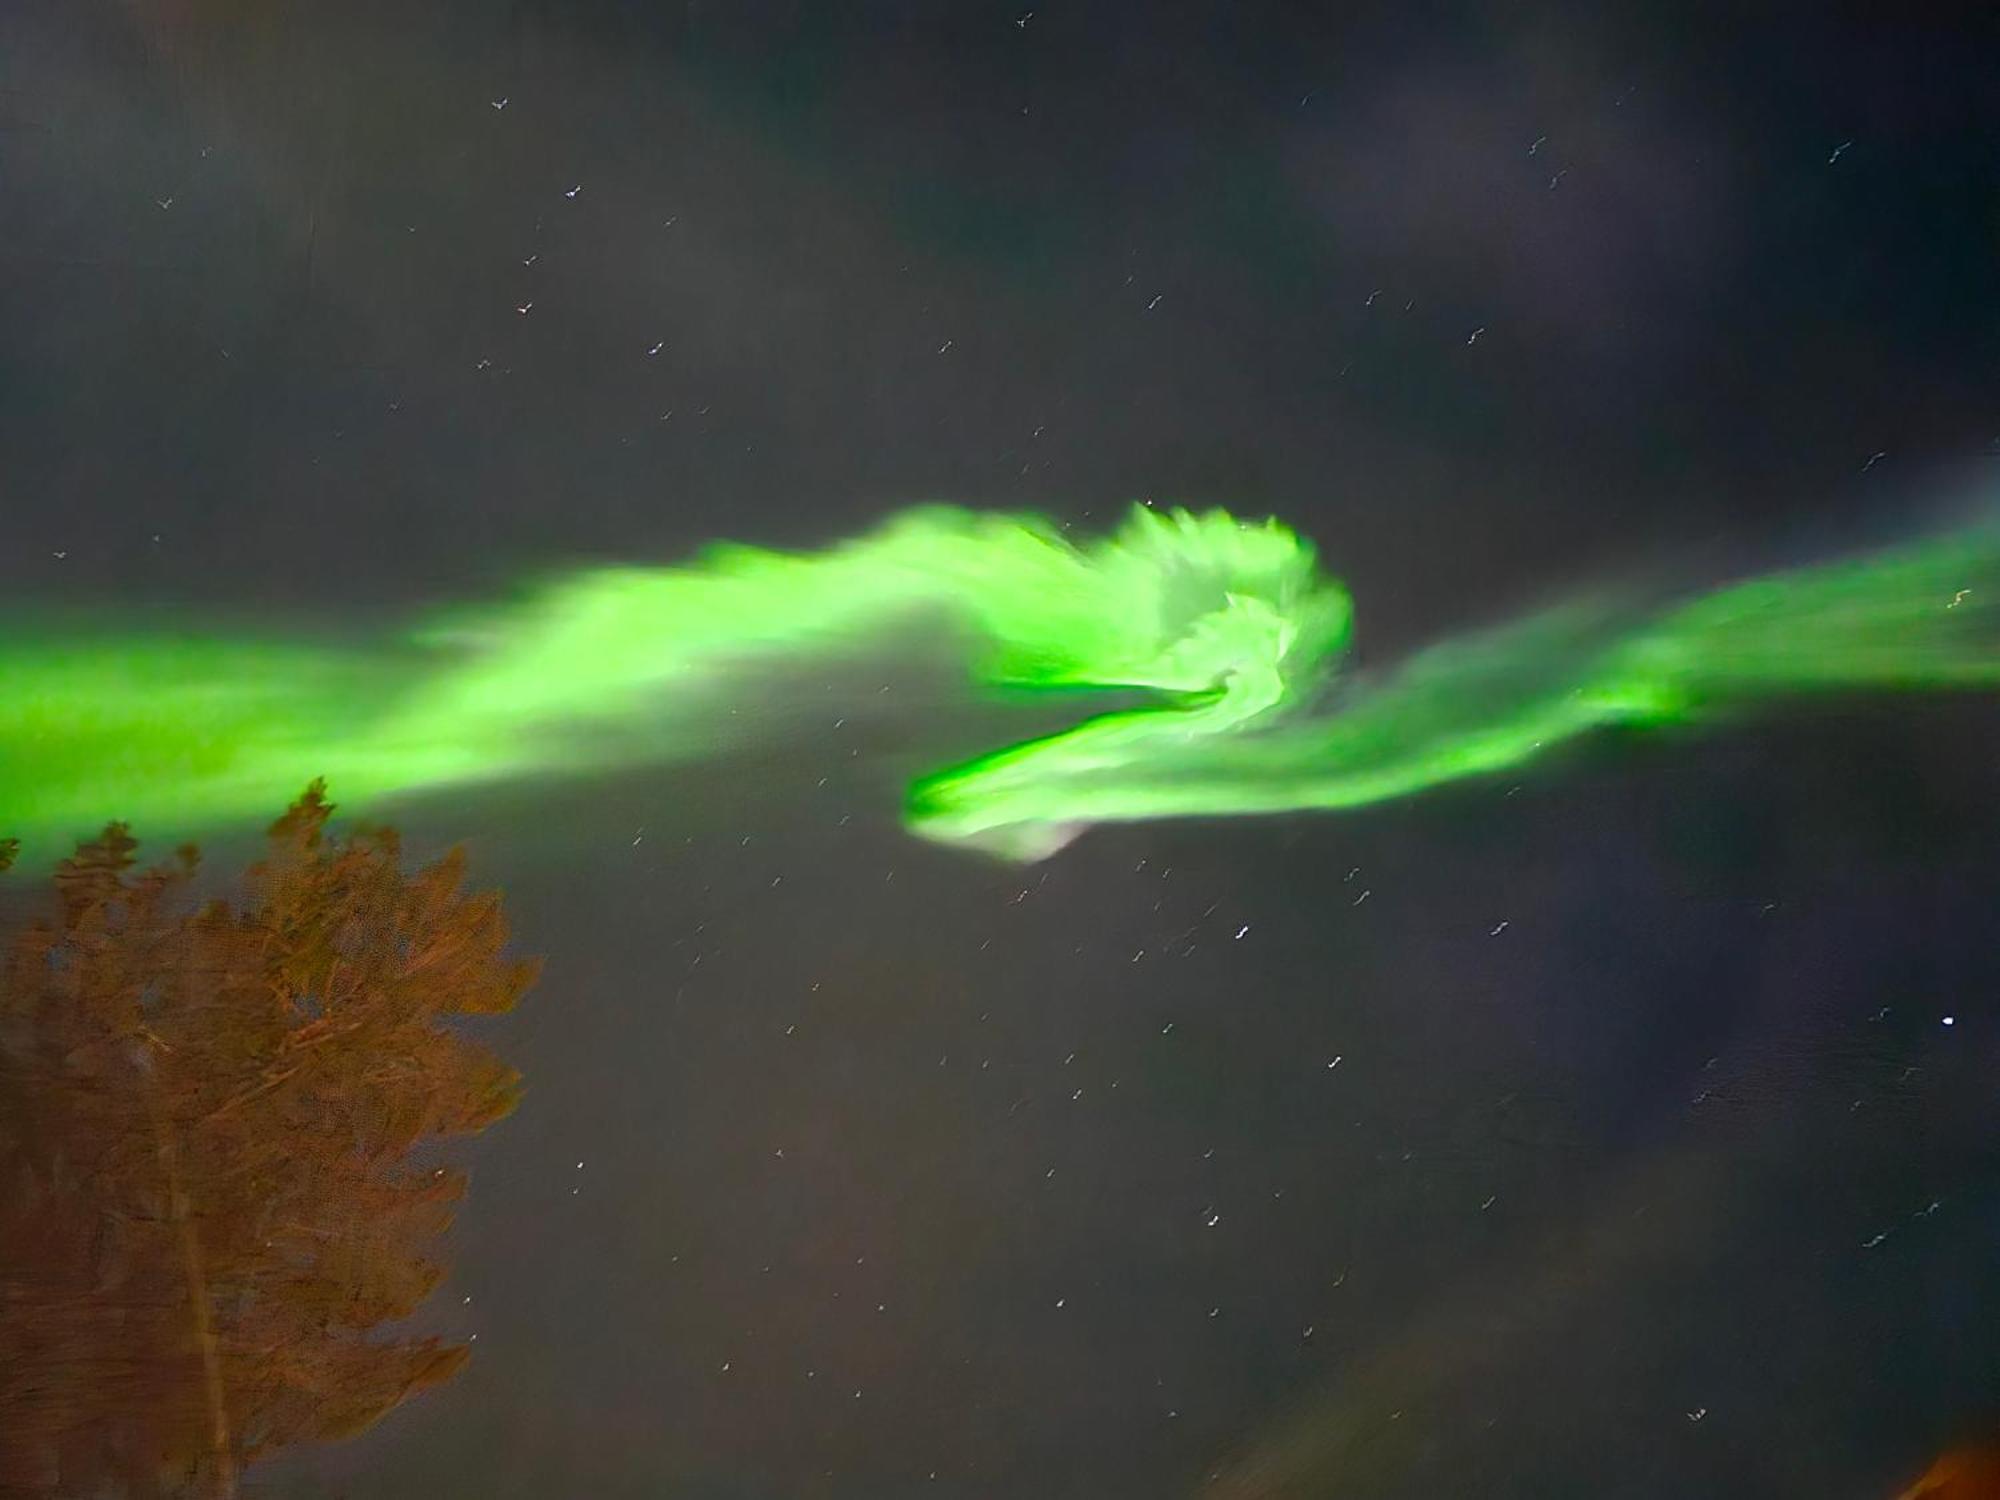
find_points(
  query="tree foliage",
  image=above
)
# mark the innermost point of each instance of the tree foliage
(212, 1193)
(1961, 1474)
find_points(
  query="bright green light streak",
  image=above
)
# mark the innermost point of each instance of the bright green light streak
(1230, 628)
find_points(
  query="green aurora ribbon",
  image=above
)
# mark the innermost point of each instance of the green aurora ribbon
(1228, 630)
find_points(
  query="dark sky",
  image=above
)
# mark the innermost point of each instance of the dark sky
(855, 1168)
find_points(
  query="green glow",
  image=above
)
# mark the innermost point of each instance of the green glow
(1229, 629)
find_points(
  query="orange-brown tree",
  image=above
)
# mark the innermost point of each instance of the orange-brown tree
(212, 1193)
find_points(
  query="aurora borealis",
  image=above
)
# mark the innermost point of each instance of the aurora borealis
(1443, 994)
(1231, 629)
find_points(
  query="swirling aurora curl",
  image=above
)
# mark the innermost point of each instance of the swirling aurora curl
(1226, 633)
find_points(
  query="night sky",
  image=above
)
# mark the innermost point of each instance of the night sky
(1595, 1131)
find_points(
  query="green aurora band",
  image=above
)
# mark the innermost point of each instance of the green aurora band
(1228, 630)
